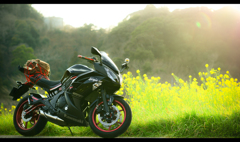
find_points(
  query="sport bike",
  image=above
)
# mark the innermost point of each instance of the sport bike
(83, 97)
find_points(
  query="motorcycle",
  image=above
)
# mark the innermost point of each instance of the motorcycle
(83, 97)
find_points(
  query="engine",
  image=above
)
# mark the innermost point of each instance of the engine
(61, 103)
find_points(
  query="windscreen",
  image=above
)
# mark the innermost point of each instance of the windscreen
(108, 62)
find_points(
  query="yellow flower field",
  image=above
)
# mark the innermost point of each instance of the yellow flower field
(215, 95)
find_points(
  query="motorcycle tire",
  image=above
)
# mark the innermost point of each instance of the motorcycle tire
(34, 123)
(121, 117)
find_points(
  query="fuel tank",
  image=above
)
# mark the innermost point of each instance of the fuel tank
(78, 69)
(75, 70)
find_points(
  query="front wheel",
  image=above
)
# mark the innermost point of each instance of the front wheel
(115, 124)
(28, 124)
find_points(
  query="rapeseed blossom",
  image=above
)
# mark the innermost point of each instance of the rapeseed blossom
(138, 71)
(216, 94)
(6, 110)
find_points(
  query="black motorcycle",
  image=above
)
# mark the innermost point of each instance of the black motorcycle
(83, 97)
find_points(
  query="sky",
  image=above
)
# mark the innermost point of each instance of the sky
(105, 15)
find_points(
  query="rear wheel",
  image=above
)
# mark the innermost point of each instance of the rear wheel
(115, 124)
(28, 124)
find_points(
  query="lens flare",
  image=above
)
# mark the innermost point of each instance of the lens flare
(206, 19)
(198, 24)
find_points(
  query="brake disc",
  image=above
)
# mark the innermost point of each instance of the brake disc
(106, 124)
(120, 120)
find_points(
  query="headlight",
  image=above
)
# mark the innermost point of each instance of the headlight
(111, 75)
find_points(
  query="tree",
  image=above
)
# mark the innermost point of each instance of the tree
(21, 54)
(25, 33)
(147, 37)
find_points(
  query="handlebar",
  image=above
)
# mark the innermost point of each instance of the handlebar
(80, 56)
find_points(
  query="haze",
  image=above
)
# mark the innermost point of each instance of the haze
(105, 15)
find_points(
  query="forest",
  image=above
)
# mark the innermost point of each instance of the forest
(157, 42)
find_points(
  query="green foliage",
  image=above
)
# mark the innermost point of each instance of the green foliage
(118, 61)
(25, 33)
(85, 36)
(147, 67)
(150, 26)
(21, 54)
(45, 41)
(74, 59)
(21, 10)
(148, 37)
(140, 54)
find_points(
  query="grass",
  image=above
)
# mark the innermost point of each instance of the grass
(184, 110)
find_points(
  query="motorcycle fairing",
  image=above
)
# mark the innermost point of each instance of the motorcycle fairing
(75, 70)
(114, 85)
(82, 86)
(57, 86)
(74, 112)
(83, 83)
(72, 116)
(78, 69)
(108, 62)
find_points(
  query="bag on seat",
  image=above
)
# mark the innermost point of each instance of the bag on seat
(36, 69)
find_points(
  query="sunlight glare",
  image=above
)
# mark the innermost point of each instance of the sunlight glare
(108, 15)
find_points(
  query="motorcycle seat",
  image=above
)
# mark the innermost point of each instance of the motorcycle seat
(48, 85)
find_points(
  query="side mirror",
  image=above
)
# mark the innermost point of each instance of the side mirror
(125, 65)
(95, 51)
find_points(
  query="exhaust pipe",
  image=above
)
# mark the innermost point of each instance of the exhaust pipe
(52, 118)
(49, 115)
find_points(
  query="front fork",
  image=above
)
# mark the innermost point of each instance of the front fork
(105, 103)
(104, 97)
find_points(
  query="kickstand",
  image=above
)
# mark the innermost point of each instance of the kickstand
(70, 130)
